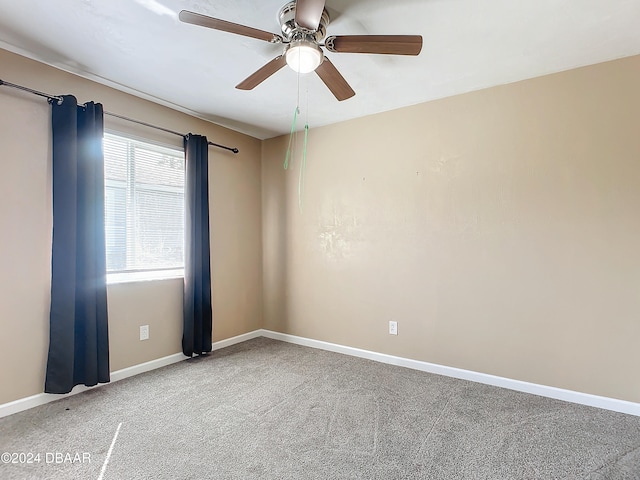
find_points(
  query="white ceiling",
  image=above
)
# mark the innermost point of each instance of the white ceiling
(139, 46)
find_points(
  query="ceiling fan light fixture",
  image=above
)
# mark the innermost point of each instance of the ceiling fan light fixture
(303, 56)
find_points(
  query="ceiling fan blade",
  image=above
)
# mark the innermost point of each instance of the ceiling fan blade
(262, 74)
(384, 44)
(224, 26)
(334, 80)
(309, 13)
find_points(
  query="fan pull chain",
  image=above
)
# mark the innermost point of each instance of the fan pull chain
(298, 84)
(303, 167)
(293, 129)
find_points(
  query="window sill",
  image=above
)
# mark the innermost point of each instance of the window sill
(131, 277)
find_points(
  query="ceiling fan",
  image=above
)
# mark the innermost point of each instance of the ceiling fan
(304, 24)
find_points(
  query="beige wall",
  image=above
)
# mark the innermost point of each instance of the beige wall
(25, 223)
(500, 228)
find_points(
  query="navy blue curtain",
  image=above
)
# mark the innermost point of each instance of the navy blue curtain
(78, 336)
(197, 319)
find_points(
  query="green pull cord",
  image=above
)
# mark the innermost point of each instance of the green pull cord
(303, 167)
(293, 128)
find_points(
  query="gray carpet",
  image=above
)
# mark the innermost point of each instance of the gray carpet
(270, 410)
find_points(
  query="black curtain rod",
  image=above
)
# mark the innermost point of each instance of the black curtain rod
(61, 99)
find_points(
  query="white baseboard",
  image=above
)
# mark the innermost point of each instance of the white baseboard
(606, 403)
(43, 398)
(234, 340)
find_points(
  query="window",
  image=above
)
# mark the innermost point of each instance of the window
(144, 209)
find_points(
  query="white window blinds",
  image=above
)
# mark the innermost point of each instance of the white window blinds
(144, 206)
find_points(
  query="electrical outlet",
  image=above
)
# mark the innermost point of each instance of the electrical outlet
(144, 332)
(393, 328)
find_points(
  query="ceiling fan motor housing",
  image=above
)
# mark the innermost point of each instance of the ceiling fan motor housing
(290, 29)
